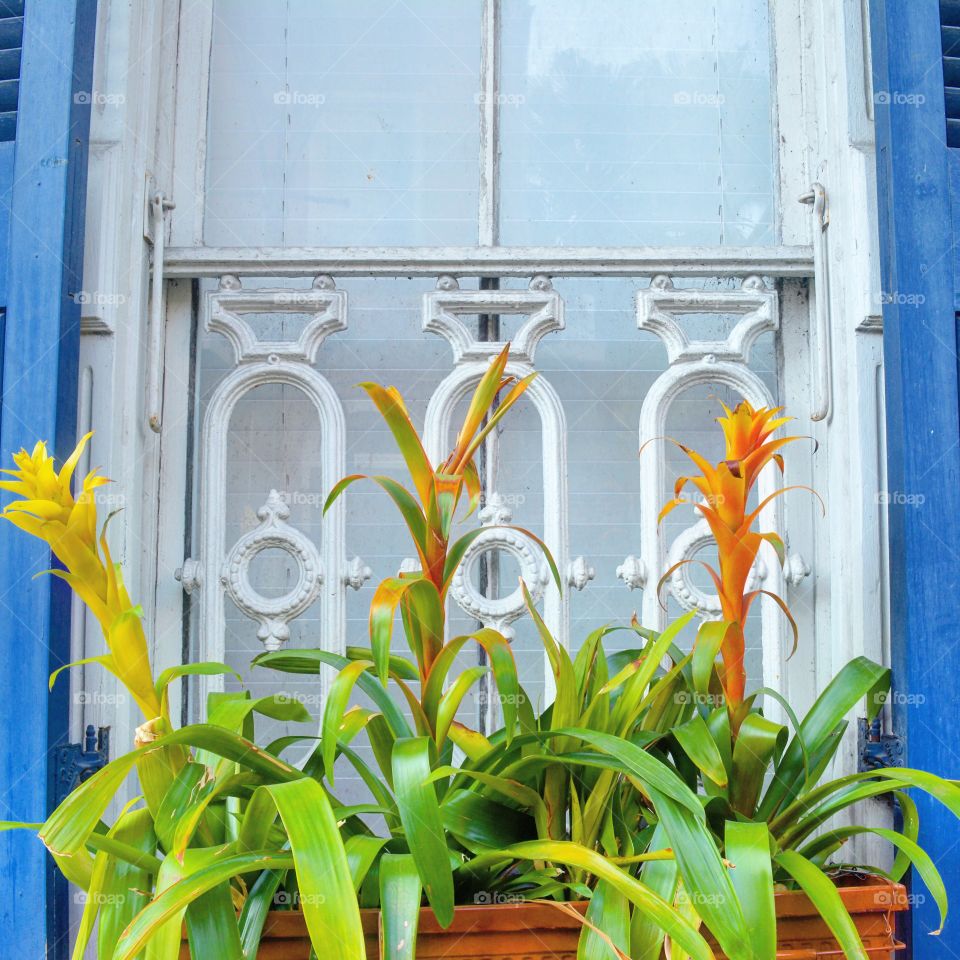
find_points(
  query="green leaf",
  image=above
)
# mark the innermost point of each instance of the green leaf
(425, 621)
(422, 823)
(755, 746)
(857, 679)
(698, 743)
(126, 886)
(390, 404)
(171, 902)
(704, 875)
(206, 669)
(504, 666)
(646, 936)
(67, 829)
(478, 822)
(609, 912)
(827, 901)
(362, 852)
(400, 906)
(257, 904)
(710, 638)
(336, 705)
(311, 661)
(451, 700)
(908, 847)
(641, 764)
(327, 895)
(680, 930)
(212, 926)
(748, 847)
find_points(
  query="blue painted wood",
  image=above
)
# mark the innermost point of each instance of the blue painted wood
(41, 339)
(915, 171)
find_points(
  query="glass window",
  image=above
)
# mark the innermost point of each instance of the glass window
(336, 124)
(619, 123)
(630, 123)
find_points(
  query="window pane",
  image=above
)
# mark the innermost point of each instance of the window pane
(631, 122)
(340, 124)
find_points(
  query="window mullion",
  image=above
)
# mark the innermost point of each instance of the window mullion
(489, 213)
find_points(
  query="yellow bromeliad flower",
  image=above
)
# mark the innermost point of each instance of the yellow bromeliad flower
(726, 488)
(49, 511)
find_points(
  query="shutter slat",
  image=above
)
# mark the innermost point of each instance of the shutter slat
(11, 33)
(950, 42)
(8, 126)
(9, 94)
(10, 64)
(950, 13)
(11, 40)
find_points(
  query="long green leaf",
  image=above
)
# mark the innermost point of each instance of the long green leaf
(68, 827)
(698, 744)
(704, 875)
(400, 906)
(336, 705)
(748, 847)
(824, 896)
(422, 823)
(680, 930)
(609, 912)
(312, 661)
(173, 901)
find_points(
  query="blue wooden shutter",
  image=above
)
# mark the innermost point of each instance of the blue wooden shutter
(11, 40)
(46, 53)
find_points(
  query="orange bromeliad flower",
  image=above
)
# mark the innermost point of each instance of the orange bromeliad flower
(726, 488)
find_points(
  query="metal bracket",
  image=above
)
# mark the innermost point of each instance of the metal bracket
(816, 197)
(159, 205)
(877, 749)
(78, 762)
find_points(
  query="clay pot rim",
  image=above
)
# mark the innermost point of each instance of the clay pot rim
(860, 894)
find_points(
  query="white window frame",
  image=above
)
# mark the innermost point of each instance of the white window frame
(157, 58)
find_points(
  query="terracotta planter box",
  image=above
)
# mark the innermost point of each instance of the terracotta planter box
(533, 931)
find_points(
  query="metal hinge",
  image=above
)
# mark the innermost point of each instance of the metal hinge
(878, 749)
(77, 762)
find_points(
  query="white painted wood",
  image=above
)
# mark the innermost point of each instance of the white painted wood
(157, 58)
(489, 97)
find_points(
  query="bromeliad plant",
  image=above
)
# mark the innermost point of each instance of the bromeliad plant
(208, 814)
(562, 805)
(225, 825)
(654, 786)
(766, 797)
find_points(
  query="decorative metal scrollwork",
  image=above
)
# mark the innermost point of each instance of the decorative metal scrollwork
(273, 613)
